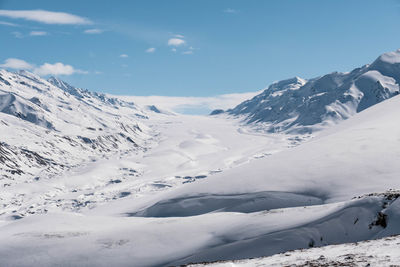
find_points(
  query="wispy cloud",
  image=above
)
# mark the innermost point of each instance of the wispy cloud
(43, 70)
(5, 23)
(139, 32)
(190, 51)
(176, 42)
(17, 35)
(93, 31)
(230, 10)
(20, 35)
(123, 56)
(44, 16)
(173, 50)
(38, 33)
(15, 63)
(150, 50)
(179, 36)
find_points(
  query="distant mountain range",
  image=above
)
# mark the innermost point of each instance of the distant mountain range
(303, 106)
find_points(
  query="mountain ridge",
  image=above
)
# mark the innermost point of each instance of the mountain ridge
(48, 125)
(302, 106)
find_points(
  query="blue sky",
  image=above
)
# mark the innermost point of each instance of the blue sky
(193, 48)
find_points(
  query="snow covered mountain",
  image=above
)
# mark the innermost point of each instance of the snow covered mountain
(94, 180)
(50, 126)
(297, 105)
(260, 207)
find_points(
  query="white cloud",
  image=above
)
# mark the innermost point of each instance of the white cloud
(93, 31)
(184, 104)
(173, 50)
(57, 69)
(176, 42)
(190, 52)
(179, 36)
(44, 16)
(123, 55)
(15, 63)
(17, 35)
(8, 24)
(43, 70)
(38, 33)
(230, 10)
(150, 50)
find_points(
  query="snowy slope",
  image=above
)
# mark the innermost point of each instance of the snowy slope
(83, 149)
(356, 157)
(380, 252)
(68, 239)
(297, 105)
(46, 129)
(182, 150)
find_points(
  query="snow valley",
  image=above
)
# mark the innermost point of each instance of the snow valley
(90, 179)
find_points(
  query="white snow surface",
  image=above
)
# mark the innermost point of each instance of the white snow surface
(380, 252)
(70, 239)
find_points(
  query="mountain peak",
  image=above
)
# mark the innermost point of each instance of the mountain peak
(53, 79)
(292, 80)
(390, 57)
(64, 86)
(291, 83)
(58, 82)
